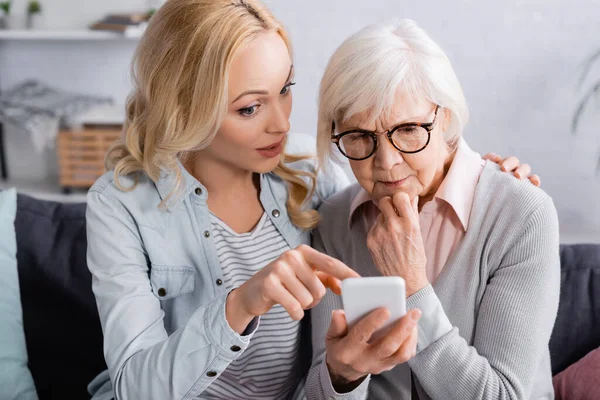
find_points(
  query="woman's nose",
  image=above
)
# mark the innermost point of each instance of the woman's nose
(279, 121)
(387, 156)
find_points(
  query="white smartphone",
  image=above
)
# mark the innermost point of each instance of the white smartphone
(360, 296)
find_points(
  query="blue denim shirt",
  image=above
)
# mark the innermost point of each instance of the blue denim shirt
(158, 282)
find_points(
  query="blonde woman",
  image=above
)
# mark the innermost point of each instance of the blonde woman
(477, 249)
(198, 234)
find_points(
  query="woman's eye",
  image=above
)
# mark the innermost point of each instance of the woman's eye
(409, 130)
(248, 111)
(287, 87)
(359, 137)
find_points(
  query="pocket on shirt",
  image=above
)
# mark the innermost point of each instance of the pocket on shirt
(171, 281)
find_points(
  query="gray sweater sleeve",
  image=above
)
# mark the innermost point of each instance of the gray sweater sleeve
(515, 320)
(318, 383)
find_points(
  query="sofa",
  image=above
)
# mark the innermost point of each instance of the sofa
(62, 329)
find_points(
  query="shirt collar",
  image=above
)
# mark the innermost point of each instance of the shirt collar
(458, 188)
(167, 183)
(362, 198)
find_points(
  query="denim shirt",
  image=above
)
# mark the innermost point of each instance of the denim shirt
(159, 286)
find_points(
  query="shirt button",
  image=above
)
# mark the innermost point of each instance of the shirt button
(276, 213)
(206, 234)
(211, 374)
(219, 282)
(235, 348)
(198, 191)
(162, 292)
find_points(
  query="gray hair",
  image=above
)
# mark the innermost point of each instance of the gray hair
(366, 71)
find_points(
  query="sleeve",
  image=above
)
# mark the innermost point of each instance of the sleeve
(513, 327)
(144, 362)
(318, 382)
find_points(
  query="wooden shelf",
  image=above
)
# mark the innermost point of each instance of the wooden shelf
(17, 34)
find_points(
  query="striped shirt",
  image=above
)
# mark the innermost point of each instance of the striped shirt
(266, 369)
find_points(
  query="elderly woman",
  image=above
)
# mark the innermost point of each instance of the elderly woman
(478, 249)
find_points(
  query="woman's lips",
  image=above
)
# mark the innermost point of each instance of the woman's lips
(271, 151)
(393, 184)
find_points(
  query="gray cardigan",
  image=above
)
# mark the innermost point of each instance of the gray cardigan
(487, 319)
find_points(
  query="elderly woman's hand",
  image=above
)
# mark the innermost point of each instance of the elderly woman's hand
(352, 355)
(396, 244)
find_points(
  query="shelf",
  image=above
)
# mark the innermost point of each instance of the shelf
(15, 34)
(113, 114)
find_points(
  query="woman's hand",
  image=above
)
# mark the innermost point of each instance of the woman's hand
(396, 244)
(351, 355)
(511, 164)
(297, 280)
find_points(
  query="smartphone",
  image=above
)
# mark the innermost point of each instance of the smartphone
(360, 296)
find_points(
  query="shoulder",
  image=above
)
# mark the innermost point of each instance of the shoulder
(512, 205)
(338, 204)
(501, 186)
(125, 188)
(335, 210)
(132, 195)
(332, 234)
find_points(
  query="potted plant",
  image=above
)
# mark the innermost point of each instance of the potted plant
(591, 93)
(34, 12)
(4, 12)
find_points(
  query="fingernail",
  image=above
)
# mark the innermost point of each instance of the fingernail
(518, 175)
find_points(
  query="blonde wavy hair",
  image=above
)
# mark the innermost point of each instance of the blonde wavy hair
(180, 73)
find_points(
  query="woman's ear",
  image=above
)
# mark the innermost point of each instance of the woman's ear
(447, 119)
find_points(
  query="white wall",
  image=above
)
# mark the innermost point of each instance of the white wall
(518, 61)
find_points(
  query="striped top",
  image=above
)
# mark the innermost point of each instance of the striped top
(266, 369)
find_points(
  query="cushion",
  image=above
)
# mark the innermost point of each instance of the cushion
(580, 380)
(15, 379)
(62, 327)
(577, 328)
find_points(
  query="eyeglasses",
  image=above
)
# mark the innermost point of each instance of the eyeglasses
(408, 138)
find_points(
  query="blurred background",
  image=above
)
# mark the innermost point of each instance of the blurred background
(520, 63)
